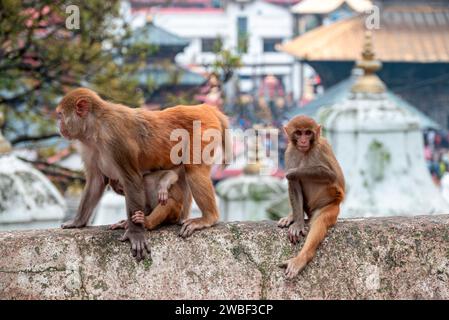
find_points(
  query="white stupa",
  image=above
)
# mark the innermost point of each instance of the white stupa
(248, 196)
(28, 199)
(380, 149)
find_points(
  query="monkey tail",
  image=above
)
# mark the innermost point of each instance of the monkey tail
(319, 226)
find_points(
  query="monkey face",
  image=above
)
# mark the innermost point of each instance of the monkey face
(62, 123)
(73, 114)
(302, 131)
(303, 139)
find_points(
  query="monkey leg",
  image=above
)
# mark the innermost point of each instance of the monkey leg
(186, 207)
(168, 213)
(200, 183)
(323, 220)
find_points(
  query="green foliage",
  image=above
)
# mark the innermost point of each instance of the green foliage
(40, 59)
(225, 61)
(379, 158)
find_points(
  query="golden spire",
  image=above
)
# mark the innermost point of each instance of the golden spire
(149, 19)
(253, 166)
(5, 146)
(369, 82)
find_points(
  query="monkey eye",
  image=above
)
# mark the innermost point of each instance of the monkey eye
(308, 132)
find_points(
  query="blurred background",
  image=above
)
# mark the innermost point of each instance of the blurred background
(375, 74)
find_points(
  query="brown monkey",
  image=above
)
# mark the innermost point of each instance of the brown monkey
(167, 199)
(316, 187)
(120, 143)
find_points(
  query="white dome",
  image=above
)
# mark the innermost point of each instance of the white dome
(26, 195)
(368, 113)
(381, 151)
(251, 187)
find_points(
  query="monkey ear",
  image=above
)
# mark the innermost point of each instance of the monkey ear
(82, 106)
(285, 131)
(318, 132)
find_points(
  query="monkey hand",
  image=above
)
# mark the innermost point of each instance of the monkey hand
(286, 221)
(139, 218)
(163, 196)
(295, 231)
(139, 245)
(189, 226)
(73, 224)
(292, 174)
(293, 266)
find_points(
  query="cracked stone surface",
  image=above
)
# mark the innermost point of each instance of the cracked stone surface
(382, 258)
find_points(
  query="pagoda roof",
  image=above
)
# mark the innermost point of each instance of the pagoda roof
(152, 34)
(161, 76)
(414, 33)
(337, 93)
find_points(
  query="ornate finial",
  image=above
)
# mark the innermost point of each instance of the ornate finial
(254, 165)
(369, 82)
(149, 19)
(5, 146)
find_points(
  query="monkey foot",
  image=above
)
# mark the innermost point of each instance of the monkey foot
(72, 225)
(139, 245)
(293, 267)
(286, 221)
(189, 226)
(123, 224)
(295, 231)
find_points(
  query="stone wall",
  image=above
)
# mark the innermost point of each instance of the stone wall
(384, 258)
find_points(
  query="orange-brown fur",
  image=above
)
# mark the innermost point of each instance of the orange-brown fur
(167, 198)
(316, 188)
(121, 143)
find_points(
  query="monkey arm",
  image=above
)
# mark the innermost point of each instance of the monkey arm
(168, 178)
(133, 186)
(315, 173)
(92, 193)
(296, 201)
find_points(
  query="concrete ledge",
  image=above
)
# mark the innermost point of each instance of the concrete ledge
(388, 258)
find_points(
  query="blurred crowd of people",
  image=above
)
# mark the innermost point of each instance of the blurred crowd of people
(436, 153)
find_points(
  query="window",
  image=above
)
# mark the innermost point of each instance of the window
(217, 4)
(242, 34)
(269, 44)
(210, 44)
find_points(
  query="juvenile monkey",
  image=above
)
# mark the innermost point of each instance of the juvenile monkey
(120, 143)
(167, 199)
(316, 187)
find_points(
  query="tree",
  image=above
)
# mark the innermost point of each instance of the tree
(41, 59)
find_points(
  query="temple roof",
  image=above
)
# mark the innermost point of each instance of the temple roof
(337, 93)
(328, 6)
(160, 76)
(149, 33)
(416, 33)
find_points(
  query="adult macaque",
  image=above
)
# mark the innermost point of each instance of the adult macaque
(167, 199)
(316, 187)
(121, 143)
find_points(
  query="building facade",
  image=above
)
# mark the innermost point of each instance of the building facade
(251, 28)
